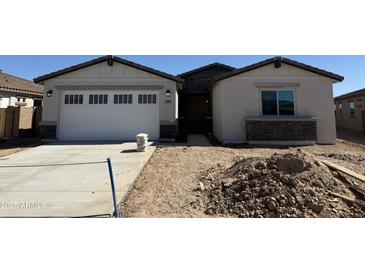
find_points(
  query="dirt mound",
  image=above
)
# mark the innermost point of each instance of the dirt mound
(283, 185)
(345, 157)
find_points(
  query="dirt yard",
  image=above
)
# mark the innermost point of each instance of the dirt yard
(170, 185)
(10, 146)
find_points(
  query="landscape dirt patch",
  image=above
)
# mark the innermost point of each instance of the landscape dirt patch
(182, 181)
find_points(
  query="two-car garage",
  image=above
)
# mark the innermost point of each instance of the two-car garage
(107, 115)
(109, 99)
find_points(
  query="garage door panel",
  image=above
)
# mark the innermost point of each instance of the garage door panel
(97, 122)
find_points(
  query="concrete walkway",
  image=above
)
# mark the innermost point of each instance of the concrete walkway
(197, 140)
(67, 191)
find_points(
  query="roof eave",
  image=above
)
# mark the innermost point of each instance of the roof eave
(69, 69)
(336, 77)
(353, 94)
(104, 59)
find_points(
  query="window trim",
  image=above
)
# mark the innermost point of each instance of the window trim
(277, 90)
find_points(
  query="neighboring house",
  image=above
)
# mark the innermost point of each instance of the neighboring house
(17, 91)
(274, 101)
(350, 110)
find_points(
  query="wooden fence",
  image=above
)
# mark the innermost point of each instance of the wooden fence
(20, 121)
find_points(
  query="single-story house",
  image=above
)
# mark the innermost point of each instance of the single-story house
(274, 101)
(350, 110)
(16, 91)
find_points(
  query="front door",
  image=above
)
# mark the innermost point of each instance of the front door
(196, 113)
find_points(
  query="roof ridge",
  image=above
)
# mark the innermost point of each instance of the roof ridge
(350, 94)
(134, 63)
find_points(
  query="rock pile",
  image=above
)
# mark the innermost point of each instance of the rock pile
(283, 185)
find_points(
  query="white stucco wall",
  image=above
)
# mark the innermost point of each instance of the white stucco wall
(4, 102)
(238, 97)
(116, 75)
(11, 101)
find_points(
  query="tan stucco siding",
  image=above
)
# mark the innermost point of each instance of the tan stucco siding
(104, 75)
(344, 119)
(240, 97)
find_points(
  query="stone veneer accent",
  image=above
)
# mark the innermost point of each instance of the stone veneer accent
(281, 130)
(168, 131)
(48, 131)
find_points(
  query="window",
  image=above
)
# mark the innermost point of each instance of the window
(74, 99)
(269, 104)
(147, 98)
(123, 99)
(352, 107)
(278, 102)
(98, 99)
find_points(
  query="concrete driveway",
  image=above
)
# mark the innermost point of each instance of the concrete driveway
(68, 191)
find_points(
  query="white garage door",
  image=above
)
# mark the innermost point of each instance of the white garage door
(108, 115)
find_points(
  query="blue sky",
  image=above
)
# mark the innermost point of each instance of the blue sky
(351, 67)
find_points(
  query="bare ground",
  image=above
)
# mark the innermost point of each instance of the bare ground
(167, 187)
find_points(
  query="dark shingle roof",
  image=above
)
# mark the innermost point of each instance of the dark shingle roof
(213, 65)
(103, 59)
(279, 60)
(17, 85)
(360, 92)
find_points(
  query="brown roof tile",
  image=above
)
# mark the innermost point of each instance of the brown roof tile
(16, 85)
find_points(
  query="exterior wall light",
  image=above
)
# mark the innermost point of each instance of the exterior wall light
(49, 93)
(168, 93)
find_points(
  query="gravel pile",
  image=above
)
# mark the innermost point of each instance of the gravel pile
(283, 185)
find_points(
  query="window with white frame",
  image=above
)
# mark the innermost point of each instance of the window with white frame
(340, 108)
(74, 99)
(147, 98)
(98, 99)
(277, 102)
(123, 98)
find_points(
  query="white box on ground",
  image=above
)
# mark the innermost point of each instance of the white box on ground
(142, 139)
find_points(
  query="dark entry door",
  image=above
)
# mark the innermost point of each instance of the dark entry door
(196, 114)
